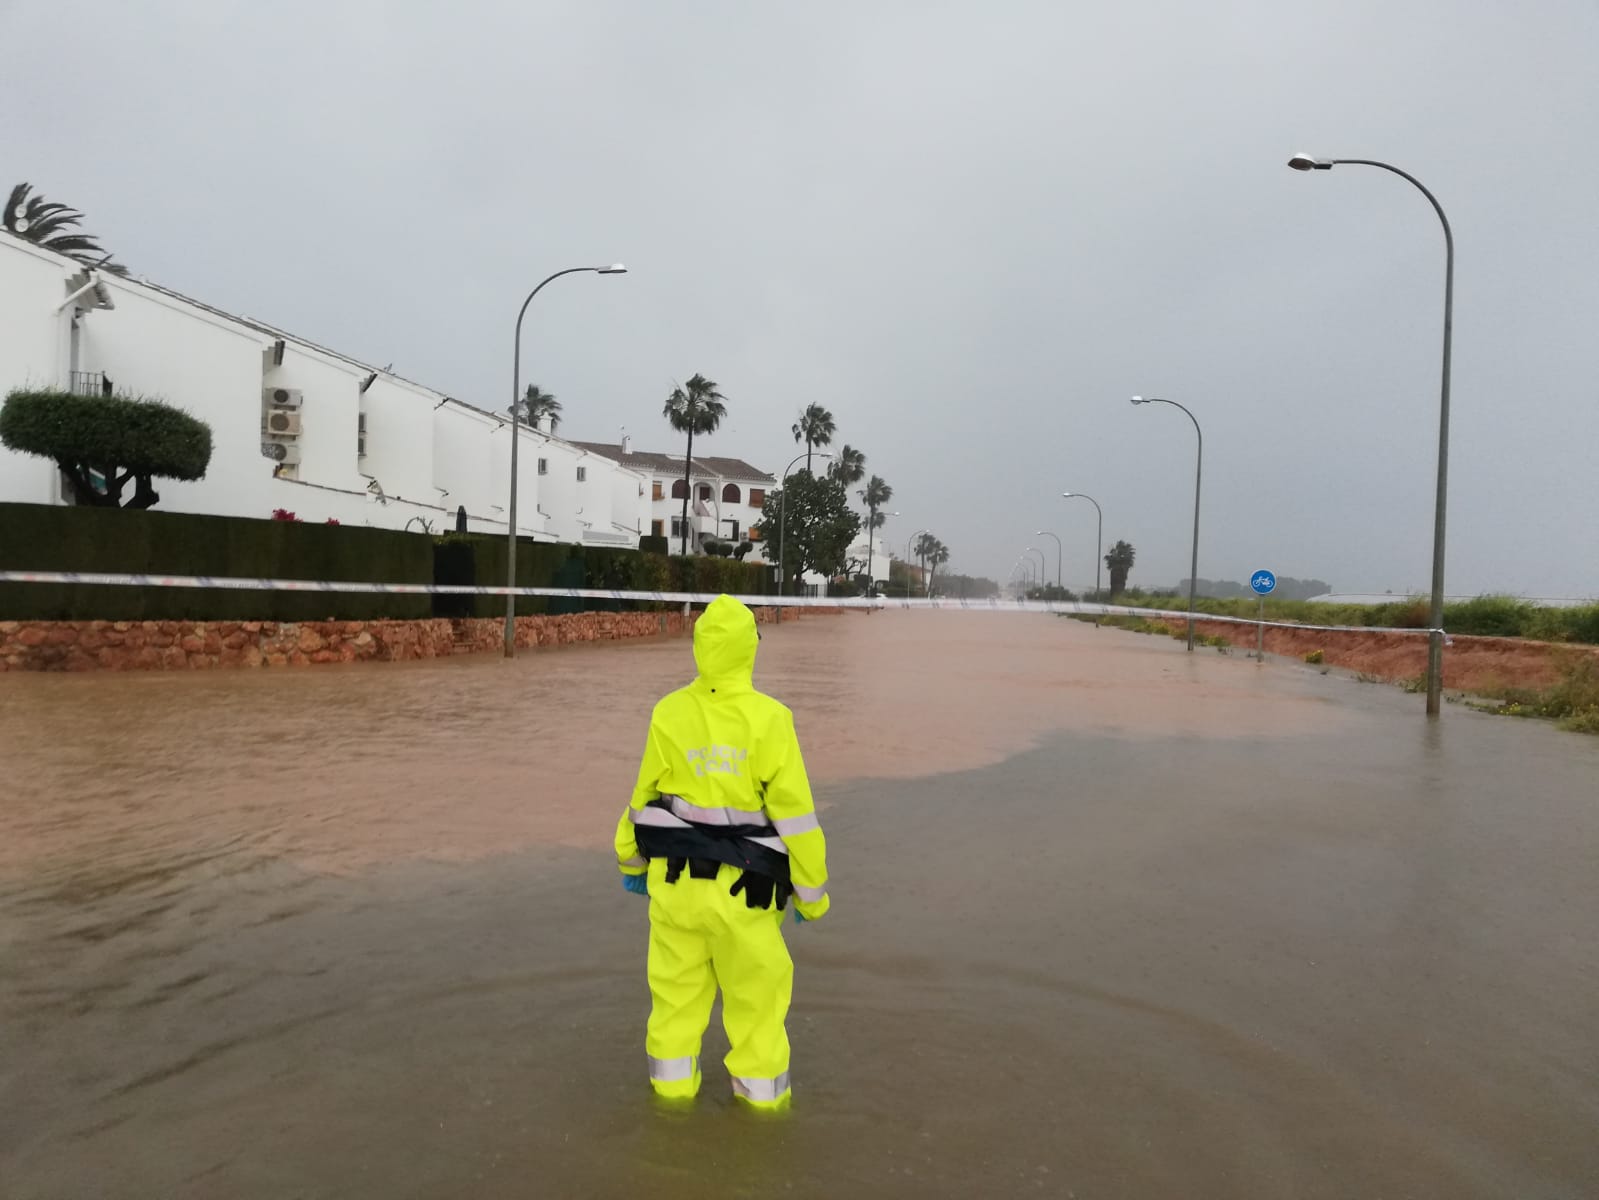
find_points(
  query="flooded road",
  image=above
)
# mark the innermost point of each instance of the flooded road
(1109, 920)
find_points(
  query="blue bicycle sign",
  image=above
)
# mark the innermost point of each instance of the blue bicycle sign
(1263, 582)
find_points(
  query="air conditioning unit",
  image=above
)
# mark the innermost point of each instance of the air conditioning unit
(281, 452)
(278, 397)
(282, 423)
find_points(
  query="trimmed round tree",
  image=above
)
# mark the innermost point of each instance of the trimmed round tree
(117, 438)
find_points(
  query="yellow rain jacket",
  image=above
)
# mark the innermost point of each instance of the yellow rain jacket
(725, 754)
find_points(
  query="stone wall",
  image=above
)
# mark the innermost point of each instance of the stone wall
(191, 645)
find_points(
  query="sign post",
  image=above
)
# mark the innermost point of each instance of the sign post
(1264, 583)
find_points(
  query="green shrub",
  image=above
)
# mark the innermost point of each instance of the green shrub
(1489, 616)
(1316, 657)
(1573, 701)
(121, 438)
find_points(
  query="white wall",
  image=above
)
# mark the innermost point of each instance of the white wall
(153, 345)
(33, 353)
(464, 453)
(630, 503)
(399, 441)
(426, 454)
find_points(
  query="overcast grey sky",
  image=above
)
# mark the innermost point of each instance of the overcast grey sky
(971, 230)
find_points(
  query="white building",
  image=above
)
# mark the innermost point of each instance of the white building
(729, 495)
(294, 425)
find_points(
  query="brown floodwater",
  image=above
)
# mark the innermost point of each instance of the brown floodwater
(1110, 919)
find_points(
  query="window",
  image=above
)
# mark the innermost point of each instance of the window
(656, 491)
(677, 527)
(757, 497)
(754, 534)
(705, 491)
(544, 466)
(679, 489)
(657, 528)
(732, 529)
(582, 474)
(730, 494)
(360, 435)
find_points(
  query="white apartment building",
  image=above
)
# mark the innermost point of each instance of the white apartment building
(294, 425)
(728, 495)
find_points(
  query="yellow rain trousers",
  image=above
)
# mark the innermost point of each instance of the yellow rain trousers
(721, 754)
(701, 936)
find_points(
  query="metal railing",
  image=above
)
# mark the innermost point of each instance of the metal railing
(89, 383)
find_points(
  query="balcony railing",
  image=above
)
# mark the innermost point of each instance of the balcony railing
(89, 383)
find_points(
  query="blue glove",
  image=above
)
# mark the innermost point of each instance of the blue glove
(799, 917)
(639, 885)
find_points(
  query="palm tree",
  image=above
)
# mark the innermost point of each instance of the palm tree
(923, 548)
(815, 428)
(52, 225)
(849, 467)
(537, 405)
(875, 494)
(694, 408)
(1120, 561)
(937, 558)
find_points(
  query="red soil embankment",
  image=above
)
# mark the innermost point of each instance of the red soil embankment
(1481, 665)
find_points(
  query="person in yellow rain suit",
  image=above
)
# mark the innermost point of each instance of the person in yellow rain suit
(720, 831)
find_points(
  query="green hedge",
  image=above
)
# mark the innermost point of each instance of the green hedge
(479, 559)
(41, 537)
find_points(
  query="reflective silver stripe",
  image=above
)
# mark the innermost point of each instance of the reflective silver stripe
(670, 1070)
(635, 861)
(793, 826)
(809, 894)
(762, 1091)
(656, 816)
(715, 816)
(771, 843)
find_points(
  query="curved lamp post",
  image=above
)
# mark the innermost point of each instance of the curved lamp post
(1059, 554)
(1043, 564)
(782, 514)
(1435, 638)
(1099, 537)
(1199, 463)
(516, 438)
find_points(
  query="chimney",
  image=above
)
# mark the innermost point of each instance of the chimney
(627, 445)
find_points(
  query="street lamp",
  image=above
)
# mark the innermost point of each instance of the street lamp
(782, 512)
(1199, 463)
(1043, 564)
(1059, 553)
(1435, 638)
(516, 438)
(1099, 538)
(1026, 565)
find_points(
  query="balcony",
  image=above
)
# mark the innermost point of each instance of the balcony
(90, 383)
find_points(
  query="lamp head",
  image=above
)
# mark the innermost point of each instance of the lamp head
(1139, 400)
(613, 269)
(1304, 162)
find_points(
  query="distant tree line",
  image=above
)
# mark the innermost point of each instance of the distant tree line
(1288, 588)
